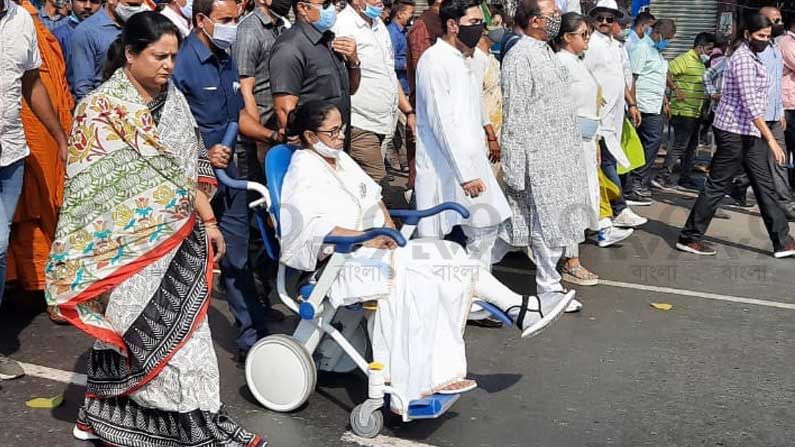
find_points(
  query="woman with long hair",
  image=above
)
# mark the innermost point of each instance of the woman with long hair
(738, 126)
(137, 234)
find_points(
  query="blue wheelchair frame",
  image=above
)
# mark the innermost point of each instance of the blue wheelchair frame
(317, 313)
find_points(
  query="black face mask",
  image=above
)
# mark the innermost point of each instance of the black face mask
(469, 35)
(281, 7)
(758, 46)
(778, 29)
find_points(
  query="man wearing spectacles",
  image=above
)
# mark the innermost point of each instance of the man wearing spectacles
(81, 10)
(602, 55)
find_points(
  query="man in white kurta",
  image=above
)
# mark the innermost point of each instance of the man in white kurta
(451, 149)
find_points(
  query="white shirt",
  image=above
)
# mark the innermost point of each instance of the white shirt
(19, 52)
(604, 59)
(182, 24)
(451, 144)
(374, 105)
(584, 88)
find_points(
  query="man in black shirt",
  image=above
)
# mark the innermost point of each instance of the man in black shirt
(309, 63)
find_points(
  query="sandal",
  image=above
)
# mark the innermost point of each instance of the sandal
(459, 387)
(579, 275)
(552, 314)
(55, 315)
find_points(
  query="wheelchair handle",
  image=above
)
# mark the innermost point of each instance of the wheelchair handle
(346, 244)
(229, 140)
(412, 217)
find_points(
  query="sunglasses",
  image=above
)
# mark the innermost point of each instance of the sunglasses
(585, 34)
(605, 19)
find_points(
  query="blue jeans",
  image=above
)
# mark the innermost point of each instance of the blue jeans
(10, 189)
(651, 135)
(231, 210)
(610, 168)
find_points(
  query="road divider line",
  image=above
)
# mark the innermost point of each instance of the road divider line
(381, 441)
(57, 375)
(671, 291)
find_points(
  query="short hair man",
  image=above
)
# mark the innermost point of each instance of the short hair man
(51, 15)
(81, 10)
(452, 165)
(642, 26)
(686, 81)
(379, 96)
(650, 71)
(208, 77)
(308, 62)
(91, 40)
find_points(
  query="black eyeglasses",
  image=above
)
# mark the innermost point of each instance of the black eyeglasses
(333, 133)
(606, 19)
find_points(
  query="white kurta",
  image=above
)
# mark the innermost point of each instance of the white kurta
(451, 143)
(585, 91)
(604, 58)
(425, 288)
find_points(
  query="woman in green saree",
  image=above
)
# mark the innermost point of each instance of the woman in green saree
(137, 232)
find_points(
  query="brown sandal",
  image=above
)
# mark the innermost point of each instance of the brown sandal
(580, 275)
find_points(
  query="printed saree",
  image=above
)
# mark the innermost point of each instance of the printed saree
(128, 235)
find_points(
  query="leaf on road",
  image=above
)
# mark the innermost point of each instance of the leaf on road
(45, 402)
(661, 306)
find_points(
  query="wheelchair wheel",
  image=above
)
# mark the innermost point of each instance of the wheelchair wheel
(365, 422)
(280, 373)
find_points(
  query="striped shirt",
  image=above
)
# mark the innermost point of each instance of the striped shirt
(687, 72)
(744, 93)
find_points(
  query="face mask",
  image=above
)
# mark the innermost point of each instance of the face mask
(223, 35)
(328, 17)
(74, 18)
(124, 12)
(778, 29)
(281, 7)
(758, 46)
(326, 151)
(647, 31)
(704, 58)
(624, 35)
(373, 12)
(469, 35)
(553, 26)
(662, 44)
(187, 10)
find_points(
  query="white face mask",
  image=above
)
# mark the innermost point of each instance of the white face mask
(124, 12)
(223, 35)
(326, 151)
(187, 10)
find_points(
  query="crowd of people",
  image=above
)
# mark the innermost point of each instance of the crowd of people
(544, 122)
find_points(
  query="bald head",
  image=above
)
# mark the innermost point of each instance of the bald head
(774, 15)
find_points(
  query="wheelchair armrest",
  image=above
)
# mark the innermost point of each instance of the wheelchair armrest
(412, 217)
(346, 244)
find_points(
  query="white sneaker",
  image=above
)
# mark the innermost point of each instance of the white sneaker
(83, 435)
(612, 235)
(10, 369)
(628, 219)
(407, 195)
(537, 319)
(573, 307)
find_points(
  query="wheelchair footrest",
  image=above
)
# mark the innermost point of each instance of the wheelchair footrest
(495, 312)
(431, 407)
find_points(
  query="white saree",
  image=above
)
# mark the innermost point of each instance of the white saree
(424, 289)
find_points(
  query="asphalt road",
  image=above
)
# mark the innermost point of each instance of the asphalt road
(715, 370)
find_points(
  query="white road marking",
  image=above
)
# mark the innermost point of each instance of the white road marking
(705, 295)
(57, 375)
(672, 291)
(381, 441)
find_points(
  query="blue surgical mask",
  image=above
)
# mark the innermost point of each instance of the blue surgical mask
(73, 17)
(328, 17)
(187, 10)
(662, 44)
(373, 12)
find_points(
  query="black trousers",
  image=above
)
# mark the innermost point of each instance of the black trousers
(685, 145)
(737, 152)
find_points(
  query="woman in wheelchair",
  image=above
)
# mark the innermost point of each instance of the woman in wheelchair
(424, 289)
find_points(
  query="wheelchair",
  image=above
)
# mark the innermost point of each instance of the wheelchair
(281, 370)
